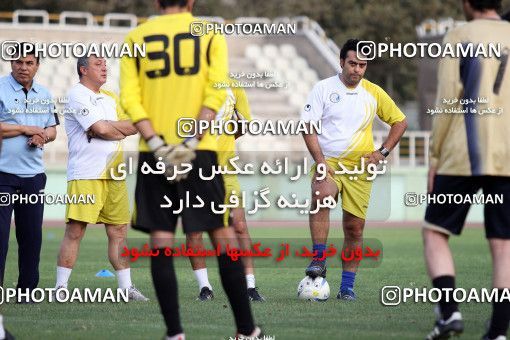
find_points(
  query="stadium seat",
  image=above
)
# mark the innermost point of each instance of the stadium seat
(263, 64)
(271, 51)
(288, 51)
(310, 76)
(291, 75)
(300, 64)
(297, 100)
(253, 52)
(281, 65)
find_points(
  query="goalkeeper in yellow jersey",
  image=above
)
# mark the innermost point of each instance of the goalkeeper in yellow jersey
(236, 107)
(176, 79)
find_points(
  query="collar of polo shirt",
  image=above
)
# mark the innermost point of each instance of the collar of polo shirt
(18, 87)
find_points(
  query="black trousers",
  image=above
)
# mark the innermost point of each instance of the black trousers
(28, 217)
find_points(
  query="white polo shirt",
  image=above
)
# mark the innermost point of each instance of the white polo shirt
(347, 115)
(91, 159)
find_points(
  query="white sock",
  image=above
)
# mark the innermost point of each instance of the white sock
(180, 336)
(202, 278)
(124, 278)
(63, 275)
(2, 331)
(250, 280)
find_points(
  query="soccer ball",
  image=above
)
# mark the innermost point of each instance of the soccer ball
(313, 289)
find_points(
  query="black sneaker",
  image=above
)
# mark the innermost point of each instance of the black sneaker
(253, 295)
(27, 301)
(316, 268)
(205, 294)
(443, 329)
(256, 334)
(486, 335)
(8, 336)
(500, 337)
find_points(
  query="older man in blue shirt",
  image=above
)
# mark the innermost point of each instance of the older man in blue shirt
(28, 122)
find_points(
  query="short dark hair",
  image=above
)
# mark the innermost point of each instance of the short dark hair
(351, 45)
(171, 3)
(24, 49)
(481, 5)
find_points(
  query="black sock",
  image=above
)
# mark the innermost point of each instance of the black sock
(165, 284)
(447, 308)
(500, 317)
(234, 284)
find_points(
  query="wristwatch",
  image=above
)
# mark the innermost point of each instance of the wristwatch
(384, 151)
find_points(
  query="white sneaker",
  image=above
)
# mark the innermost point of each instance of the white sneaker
(59, 291)
(2, 330)
(135, 295)
(4, 333)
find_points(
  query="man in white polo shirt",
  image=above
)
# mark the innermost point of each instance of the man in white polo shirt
(95, 128)
(346, 104)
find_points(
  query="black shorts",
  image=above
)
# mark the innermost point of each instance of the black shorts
(450, 217)
(151, 188)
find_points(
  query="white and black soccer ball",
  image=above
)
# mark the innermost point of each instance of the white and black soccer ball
(313, 289)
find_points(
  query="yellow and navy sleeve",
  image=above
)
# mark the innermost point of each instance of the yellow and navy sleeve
(449, 87)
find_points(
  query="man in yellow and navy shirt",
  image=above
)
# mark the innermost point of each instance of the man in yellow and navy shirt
(468, 152)
(346, 104)
(235, 108)
(177, 79)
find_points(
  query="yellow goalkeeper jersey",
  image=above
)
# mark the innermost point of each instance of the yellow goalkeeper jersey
(177, 76)
(476, 139)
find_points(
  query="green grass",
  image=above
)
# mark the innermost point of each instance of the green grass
(283, 315)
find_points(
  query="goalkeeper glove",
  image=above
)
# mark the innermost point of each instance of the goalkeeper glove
(173, 156)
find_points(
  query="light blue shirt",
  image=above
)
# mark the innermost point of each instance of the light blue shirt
(36, 108)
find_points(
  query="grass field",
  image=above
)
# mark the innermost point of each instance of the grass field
(282, 316)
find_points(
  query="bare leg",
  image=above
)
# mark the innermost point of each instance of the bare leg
(116, 242)
(243, 236)
(319, 222)
(438, 257)
(353, 237)
(70, 245)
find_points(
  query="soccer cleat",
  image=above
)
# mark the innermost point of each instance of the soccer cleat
(205, 294)
(347, 294)
(254, 295)
(316, 268)
(4, 333)
(443, 329)
(256, 334)
(500, 337)
(180, 336)
(8, 336)
(486, 335)
(135, 295)
(28, 301)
